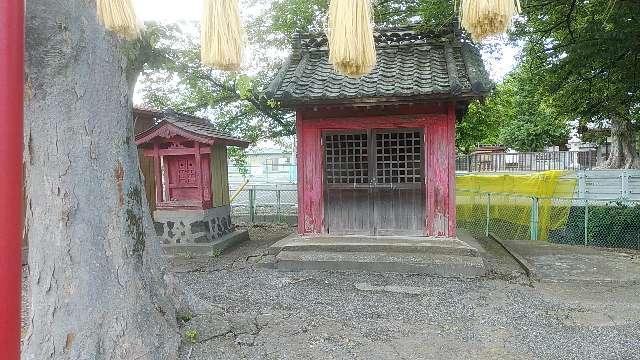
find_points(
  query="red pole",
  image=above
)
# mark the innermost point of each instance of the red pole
(11, 112)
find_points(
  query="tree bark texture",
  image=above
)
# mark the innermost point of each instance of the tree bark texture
(97, 276)
(624, 154)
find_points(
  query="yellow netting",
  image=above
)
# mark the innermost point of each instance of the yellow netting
(511, 200)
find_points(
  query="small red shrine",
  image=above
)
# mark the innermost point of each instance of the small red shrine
(184, 160)
(376, 155)
(183, 149)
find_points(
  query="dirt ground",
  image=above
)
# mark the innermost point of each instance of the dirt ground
(246, 312)
(241, 311)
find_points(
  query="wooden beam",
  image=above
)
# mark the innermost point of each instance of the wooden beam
(158, 172)
(199, 176)
(180, 151)
(165, 179)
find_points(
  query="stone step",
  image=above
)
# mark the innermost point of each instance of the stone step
(370, 244)
(207, 249)
(431, 264)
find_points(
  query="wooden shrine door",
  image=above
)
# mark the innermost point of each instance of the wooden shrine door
(373, 182)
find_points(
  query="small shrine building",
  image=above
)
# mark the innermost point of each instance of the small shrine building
(184, 161)
(376, 155)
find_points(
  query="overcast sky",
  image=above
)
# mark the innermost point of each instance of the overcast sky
(175, 10)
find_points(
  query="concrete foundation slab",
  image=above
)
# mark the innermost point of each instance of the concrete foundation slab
(387, 244)
(399, 254)
(568, 263)
(177, 227)
(207, 249)
(432, 264)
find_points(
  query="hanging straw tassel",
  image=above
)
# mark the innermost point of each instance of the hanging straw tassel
(221, 35)
(483, 18)
(119, 16)
(352, 48)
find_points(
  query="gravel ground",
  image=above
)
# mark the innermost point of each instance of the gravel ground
(264, 314)
(245, 312)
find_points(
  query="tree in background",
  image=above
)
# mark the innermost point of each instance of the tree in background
(519, 115)
(237, 102)
(582, 60)
(586, 55)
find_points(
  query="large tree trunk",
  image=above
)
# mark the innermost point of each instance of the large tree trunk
(97, 277)
(624, 154)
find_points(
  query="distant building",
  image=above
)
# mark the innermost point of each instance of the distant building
(265, 166)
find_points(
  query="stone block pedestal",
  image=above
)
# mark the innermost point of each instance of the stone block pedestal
(196, 229)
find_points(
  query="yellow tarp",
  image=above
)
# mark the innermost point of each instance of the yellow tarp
(511, 199)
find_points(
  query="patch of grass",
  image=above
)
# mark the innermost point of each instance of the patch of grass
(215, 253)
(191, 336)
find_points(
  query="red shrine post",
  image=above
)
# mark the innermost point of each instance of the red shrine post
(189, 190)
(11, 111)
(376, 155)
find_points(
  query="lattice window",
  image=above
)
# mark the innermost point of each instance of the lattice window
(346, 158)
(186, 172)
(399, 157)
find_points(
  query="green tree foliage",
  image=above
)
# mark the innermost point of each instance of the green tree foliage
(581, 61)
(236, 102)
(519, 115)
(587, 55)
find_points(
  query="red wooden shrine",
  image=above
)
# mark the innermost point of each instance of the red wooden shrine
(392, 199)
(376, 155)
(181, 151)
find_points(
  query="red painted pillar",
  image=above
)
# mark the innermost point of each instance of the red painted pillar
(157, 164)
(11, 112)
(453, 231)
(199, 176)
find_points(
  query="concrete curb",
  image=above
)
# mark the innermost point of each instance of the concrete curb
(528, 268)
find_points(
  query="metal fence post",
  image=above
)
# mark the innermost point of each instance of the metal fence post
(586, 222)
(534, 218)
(252, 205)
(624, 184)
(278, 204)
(488, 215)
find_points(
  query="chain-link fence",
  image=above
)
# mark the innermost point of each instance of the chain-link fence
(574, 221)
(265, 203)
(600, 223)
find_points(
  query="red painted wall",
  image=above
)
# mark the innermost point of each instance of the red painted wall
(438, 123)
(183, 177)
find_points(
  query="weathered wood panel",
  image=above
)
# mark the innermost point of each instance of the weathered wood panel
(438, 125)
(142, 123)
(310, 195)
(440, 176)
(147, 168)
(219, 176)
(348, 212)
(399, 212)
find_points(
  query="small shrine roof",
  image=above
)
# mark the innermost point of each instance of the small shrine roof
(410, 64)
(192, 127)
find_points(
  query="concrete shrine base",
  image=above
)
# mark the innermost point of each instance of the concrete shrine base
(400, 254)
(196, 232)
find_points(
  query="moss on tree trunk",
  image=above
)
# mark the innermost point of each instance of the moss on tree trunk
(97, 277)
